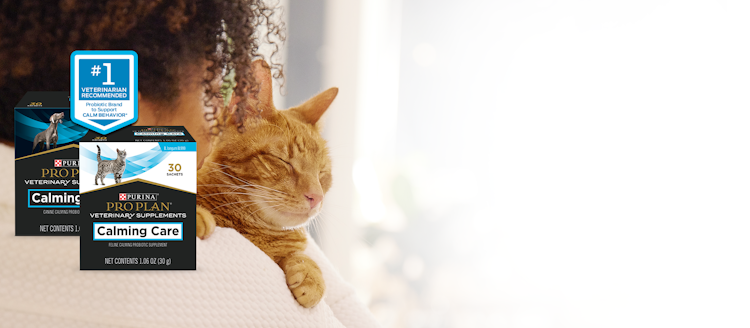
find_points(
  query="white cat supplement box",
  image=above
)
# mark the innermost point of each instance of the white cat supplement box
(138, 188)
(46, 178)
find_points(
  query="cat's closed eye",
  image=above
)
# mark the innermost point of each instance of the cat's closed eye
(271, 163)
(289, 165)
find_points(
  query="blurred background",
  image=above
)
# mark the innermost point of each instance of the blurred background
(534, 163)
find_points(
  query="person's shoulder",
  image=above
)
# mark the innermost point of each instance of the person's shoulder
(7, 179)
(234, 282)
(227, 243)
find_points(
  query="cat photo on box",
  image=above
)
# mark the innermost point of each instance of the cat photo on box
(113, 166)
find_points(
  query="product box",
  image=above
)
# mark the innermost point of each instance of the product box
(46, 178)
(138, 188)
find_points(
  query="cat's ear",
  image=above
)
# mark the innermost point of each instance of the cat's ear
(253, 105)
(264, 81)
(313, 109)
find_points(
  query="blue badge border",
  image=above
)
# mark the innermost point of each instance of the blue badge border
(135, 87)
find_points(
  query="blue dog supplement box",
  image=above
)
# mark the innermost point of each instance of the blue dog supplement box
(46, 178)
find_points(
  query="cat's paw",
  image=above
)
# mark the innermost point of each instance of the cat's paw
(304, 279)
(204, 222)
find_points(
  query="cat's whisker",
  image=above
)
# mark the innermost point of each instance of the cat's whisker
(253, 190)
(233, 177)
(321, 223)
(240, 202)
(318, 225)
(234, 187)
(315, 222)
(321, 220)
(269, 189)
(311, 221)
(251, 202)
(242, 193)
(248, 194)
(223, 185)
(266, 207)
(231, 188)
(245, 181)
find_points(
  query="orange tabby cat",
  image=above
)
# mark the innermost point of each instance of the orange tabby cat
(267, 179)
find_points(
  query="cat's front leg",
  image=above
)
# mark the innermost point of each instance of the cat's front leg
(204, 222)
(304, 279)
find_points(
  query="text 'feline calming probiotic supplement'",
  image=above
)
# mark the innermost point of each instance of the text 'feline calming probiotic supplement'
(138, 188)
(46, 145)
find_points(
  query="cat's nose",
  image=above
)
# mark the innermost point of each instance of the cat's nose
(313, 198)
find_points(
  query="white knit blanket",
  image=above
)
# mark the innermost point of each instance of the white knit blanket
(235, 285)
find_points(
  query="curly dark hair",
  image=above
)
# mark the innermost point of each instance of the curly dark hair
(38, 36)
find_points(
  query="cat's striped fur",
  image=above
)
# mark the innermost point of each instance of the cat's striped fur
(267, 180)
